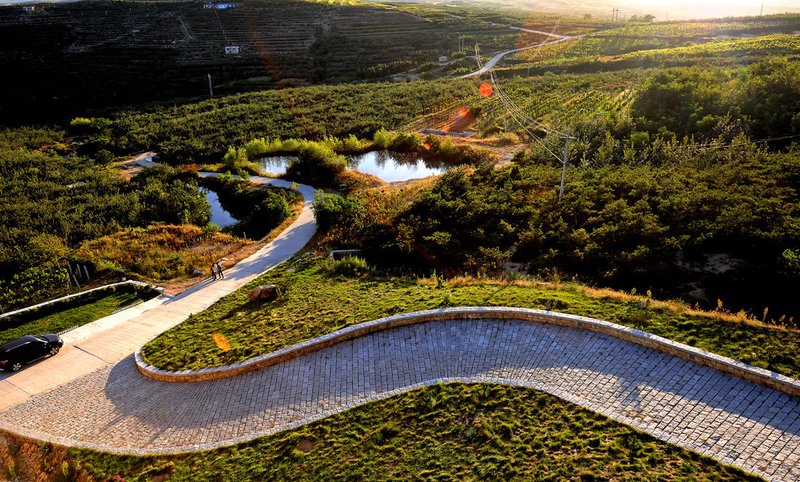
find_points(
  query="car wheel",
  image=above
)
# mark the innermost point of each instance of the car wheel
(16, 366)
(53, 350)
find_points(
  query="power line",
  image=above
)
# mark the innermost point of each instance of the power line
(221, 27)
(510, 107)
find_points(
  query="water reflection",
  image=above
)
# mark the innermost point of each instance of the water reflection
(219, 215)
(393, 166)
(276, 165)
(388, 166)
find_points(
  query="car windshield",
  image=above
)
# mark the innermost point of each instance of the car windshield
(425, 239)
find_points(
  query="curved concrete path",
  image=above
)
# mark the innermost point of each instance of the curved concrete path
(493, 61)
(723, 416)
(107, 341)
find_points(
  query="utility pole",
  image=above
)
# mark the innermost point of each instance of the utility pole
(210, 88)
(564, 167)
(761, 13)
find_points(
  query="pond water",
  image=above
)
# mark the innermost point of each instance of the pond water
(276, 165)
(393, 166)
(219, 215)
(386, 165)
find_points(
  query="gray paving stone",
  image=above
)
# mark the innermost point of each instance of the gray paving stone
(118, 409)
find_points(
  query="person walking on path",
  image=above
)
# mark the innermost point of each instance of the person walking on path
(213, 272)
(219, 270)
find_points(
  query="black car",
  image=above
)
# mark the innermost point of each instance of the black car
(23, 350)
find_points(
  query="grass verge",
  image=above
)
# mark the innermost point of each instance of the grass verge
(443, 432)
(71, 317)
(318, 297)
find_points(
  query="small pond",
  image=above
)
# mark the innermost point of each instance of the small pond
(386, 165)
(276, 165)
(219, 215)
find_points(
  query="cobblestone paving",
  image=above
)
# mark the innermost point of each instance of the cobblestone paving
(725, 417)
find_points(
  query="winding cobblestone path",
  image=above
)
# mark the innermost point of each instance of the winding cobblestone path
(723, 416)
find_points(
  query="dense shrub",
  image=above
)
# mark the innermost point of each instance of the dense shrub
(31, 286)
(642, 226)
(84, 200)
(272, 210)
(93, 125)
(317, 164)
(203, 131)
(351, 266)
(334, 210)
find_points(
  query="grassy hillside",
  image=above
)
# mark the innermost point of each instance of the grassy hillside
(322, 297)
(444, 432)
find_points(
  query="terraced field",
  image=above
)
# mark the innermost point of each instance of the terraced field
(563, 100)
(107, 54)
(673, 41)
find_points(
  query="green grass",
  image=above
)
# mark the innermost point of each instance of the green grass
(315, 302)
(443, 432)
(75, 316)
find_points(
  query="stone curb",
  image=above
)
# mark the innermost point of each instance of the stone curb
(696, 355)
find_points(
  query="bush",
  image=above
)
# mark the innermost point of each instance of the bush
(271, 211)
(332, 210)
(90, 125)
(348, 266)
(32, 286)
(235, 159)
(382, 139)
(317, 164)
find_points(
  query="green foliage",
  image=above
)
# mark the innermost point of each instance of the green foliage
(623, 225)
(205, 130)
(159, 252)
(791, 263)
(337, 211)
(443, 432)
(93, 125)
(770, 98)
(32, 285)
(700, 102)
(170, 198)
(352, 266)
(465, 222)
(235, 158)
(317, 164)
(679, 99)
(382, 139)
(272, 210)
(71, 313)
(50, 204)
(30, 138)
